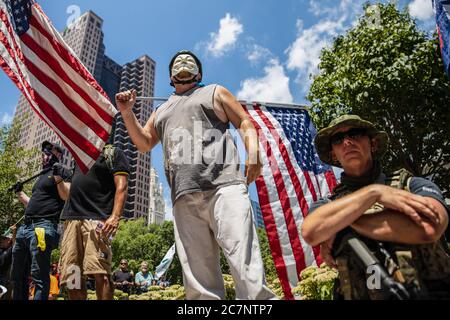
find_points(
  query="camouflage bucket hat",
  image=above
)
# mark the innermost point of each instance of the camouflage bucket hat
(323, 144)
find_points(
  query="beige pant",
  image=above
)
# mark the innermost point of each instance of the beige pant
(203, 222)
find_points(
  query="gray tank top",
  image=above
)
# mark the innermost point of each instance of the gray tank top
(199, 152)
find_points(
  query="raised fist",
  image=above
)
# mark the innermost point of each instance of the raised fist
(126, 100)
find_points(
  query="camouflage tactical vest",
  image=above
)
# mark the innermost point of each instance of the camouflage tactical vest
(424, 270)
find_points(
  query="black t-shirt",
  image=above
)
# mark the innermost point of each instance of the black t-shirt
(45, 201)
(120, 276)
(92, 195)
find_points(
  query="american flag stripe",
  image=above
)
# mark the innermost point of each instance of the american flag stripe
(306, 182)
(12, 68)
(73, 148)
(279, 246)
(38, 91)
(38, 21)
(46, 54)
(57, 86)
(307, 192)
(278, 199)
(288, 186)
(56, 75)
(297, 197)
(70, 106)
(272, 208)
(292, 189)
(275, 163)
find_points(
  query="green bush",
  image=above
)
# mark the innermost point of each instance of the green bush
(316, 283)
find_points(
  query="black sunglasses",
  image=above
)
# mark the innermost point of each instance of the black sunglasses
(354, 133)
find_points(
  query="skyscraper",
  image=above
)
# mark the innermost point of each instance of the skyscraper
(85, 37)
(257, 215)
(157, 206)
(139, 75)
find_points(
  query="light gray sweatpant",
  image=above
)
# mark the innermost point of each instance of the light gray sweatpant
(203, 222)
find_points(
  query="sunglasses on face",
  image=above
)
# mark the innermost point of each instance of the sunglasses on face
(354, 133)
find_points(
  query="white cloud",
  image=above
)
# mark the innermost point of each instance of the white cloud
(257, 53)
(272, 87)
(304, 52)
(330, 9)
(421, 9)
(6, 119)
(227, 36)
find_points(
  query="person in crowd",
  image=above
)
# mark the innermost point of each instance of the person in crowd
(144, 278)
(211, 205)
(399, 217)
(123, 278)
(95, 203)
(38, 235)
(6, 247)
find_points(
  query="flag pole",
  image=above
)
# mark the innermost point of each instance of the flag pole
(271, 104)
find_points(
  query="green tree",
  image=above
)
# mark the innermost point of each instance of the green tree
(388, 71)
(266, 253)
(136, 242)
(13, 167)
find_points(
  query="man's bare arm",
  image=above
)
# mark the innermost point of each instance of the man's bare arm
(238, 117)
(23, 198)
(144, 138)
(63, 188)
(112, 224)
(333, 217)
(394, 227)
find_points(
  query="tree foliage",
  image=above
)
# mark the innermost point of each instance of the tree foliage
(266, 253)
(13, 167)
(389, 72)
(136, 242)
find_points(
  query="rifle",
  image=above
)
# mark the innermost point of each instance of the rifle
(11, 189)
(391, 288)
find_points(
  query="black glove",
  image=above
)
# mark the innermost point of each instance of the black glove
(18, 187)
(58, 169)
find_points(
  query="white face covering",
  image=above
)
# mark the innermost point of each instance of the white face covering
(184, 67)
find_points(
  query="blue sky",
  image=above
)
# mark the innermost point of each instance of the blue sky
(260, 50)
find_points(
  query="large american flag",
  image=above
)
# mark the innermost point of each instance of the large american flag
(54, 81)
(293, 178)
